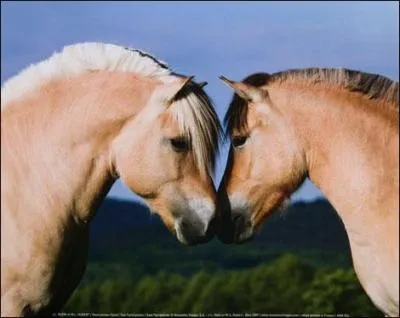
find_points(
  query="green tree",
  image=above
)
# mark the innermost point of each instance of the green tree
(191, 292)
(338, 291)
(277, 287)
(285, 285)
(114, 293)
(85, 299)
(212, 298)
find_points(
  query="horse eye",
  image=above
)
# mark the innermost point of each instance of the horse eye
(179, 144)
(239, 141)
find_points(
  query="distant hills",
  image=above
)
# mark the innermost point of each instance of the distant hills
(125, 231)
(299, 262)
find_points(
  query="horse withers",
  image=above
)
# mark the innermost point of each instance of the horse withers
(338, 127)
(70, 126)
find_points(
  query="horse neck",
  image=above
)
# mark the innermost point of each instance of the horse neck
(61, 135)
(344, 137)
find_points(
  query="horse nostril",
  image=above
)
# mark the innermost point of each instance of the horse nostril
(185, 225)
(236, 217)
(238, 220)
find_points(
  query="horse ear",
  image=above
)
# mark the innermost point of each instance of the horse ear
(173, 89)
(246, 91)
(202, 84)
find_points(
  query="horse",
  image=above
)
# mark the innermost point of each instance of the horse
(339, 128)
(71, 125)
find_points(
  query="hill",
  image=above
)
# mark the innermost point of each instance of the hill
(126, 232)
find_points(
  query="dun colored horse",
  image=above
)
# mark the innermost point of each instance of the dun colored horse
(70, 126)
(338, 127)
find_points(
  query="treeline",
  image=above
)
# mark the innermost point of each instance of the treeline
(125, 232)
(287, 285)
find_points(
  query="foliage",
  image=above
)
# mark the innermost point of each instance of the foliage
(338, 291)
(299, 263)
(288, 285)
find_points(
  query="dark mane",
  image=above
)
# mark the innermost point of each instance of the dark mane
(373, 86)
(151, 57)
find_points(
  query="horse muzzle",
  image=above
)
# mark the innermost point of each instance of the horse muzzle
(233, 222)
(192, 232)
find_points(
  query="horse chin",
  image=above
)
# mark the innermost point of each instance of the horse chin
(181, 238)
(185, 241)
(245, 236)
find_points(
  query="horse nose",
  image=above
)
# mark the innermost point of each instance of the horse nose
(194, 234)
(238, 223)
(243, 229)
(234, 229)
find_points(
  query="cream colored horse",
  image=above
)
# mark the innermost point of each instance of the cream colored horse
(70, 126)
(338, 127)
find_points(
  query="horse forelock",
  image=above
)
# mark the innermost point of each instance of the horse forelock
(236, 115)
(81, 58)
(194, 111)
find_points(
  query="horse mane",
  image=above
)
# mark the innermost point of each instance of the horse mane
(373, 86)
(79, 59)
(193, 109)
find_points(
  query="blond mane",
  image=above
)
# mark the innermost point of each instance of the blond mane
(194, 110)
(78, 59)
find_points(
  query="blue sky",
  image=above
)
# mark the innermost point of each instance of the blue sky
(208, 39)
